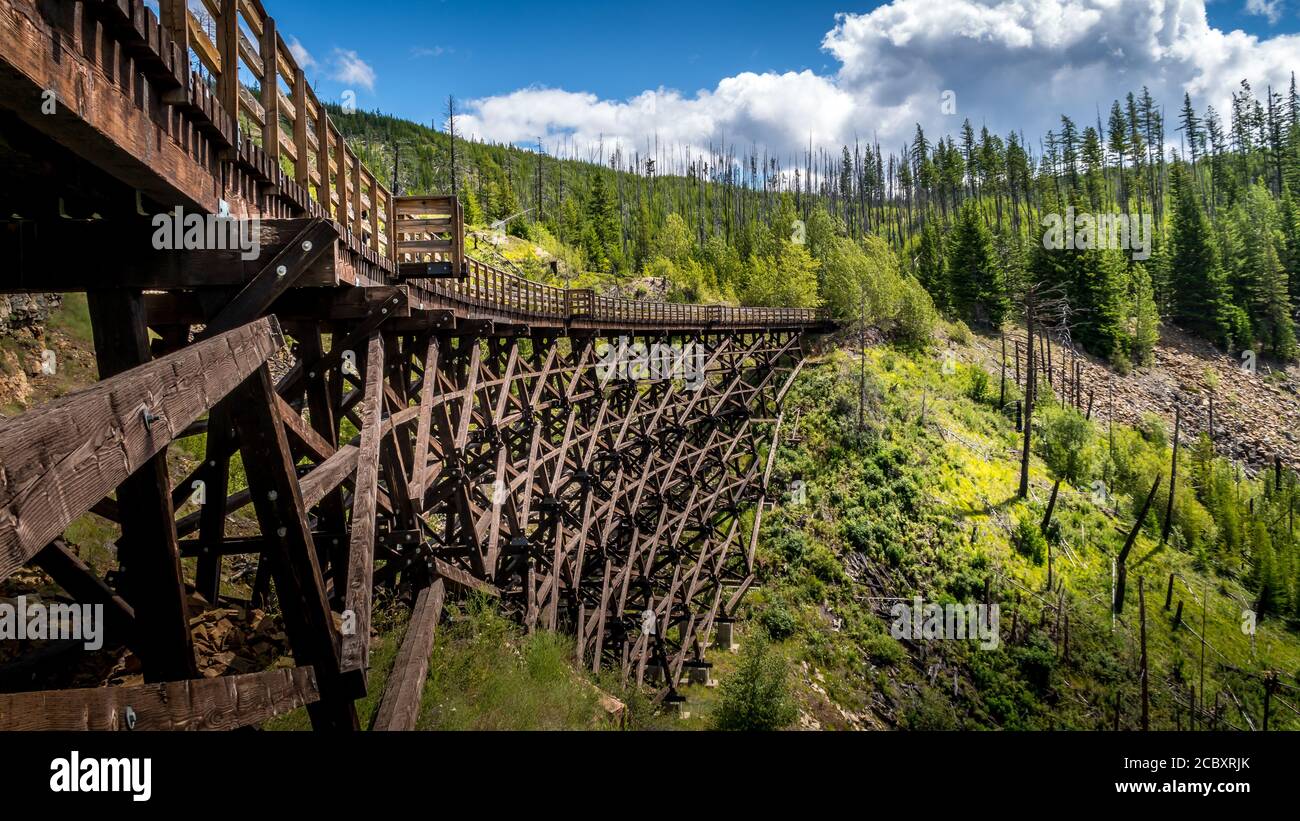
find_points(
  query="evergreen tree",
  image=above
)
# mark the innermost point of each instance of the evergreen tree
(931, 267)
(978, 292)
(1201, 298)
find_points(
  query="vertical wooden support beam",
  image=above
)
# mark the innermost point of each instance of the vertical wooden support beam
(148, 551)
(270, 90)
(401, 703)
(299, 587)
(323, 421)
(324, 188)
(374, 211)
(215, 474)
(355, 172)
(361, 556)
(302, 167)
(172, 16)
(341, 179)
(228, 49)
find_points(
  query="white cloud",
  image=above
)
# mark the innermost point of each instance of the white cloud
(1271, 9)
(1013, 64)
(348, 68)
(427, 51)
(300, 53)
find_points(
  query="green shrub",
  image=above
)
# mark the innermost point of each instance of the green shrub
(777, 619)
(756, 697)
(1029, 540)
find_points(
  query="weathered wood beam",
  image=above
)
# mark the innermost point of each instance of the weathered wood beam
(281, 515)
(226, 703)
(64, 457)
(400, 706)
(361, 555)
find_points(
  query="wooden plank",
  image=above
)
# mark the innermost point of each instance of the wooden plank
(361, 554)
(270, 92)
(329, 475)
(420, 467)
(312, 442)
(465, 580)
(62, 458)
(226, 703)
(400, 706)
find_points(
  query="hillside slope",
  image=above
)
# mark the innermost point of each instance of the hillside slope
(922, 502)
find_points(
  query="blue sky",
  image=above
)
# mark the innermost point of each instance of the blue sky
(405, 56)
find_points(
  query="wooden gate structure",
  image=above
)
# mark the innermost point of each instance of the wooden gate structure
(407, 418)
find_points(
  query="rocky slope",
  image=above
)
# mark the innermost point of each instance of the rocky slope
(1256, 414)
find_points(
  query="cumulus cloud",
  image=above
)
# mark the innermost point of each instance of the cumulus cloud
(1012, 64)
(350, 69)
(300, 53)
(1270, 9)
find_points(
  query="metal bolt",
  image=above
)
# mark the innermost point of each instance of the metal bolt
(148, 417)
(273, 496)
(281, 532)
(281, 270)
(306, 245)
(130, 717)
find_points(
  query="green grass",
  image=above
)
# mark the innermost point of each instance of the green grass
(484, 674)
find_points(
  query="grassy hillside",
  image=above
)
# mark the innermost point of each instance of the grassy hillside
(922, 501)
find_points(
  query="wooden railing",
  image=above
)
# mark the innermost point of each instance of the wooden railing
(505, 296)
(250, 100)
(430, 234)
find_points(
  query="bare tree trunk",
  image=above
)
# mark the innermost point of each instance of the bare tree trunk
(1146, 684)
(1173, 479)
(1030, 308)
(1122, 562)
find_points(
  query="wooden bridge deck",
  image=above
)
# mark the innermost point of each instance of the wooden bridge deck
(498, 450)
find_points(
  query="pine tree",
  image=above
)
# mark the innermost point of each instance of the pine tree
(1145, 317)
(931, 267)
(1261, 274)
(1201, 298)
(978, 292)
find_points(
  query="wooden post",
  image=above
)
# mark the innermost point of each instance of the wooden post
(270, 91)
(1169, 592)
(302, 165)
(281, 515)
(153, 583)
(1270, 684)
(212, 518)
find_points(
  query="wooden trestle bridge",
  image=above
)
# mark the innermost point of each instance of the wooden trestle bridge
(437, 424)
